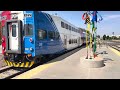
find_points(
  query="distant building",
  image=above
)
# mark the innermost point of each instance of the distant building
(115, 36)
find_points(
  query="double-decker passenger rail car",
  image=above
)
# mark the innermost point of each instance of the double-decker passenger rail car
(32, 34)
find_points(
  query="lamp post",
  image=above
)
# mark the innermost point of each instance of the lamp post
(113, 35)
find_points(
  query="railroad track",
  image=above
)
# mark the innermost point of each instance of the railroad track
(115, 45)
(10, 72)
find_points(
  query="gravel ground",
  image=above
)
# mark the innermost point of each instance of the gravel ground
(2, 63)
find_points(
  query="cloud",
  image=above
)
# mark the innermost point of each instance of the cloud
(109, 17)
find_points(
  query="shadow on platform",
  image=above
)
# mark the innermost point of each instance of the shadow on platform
(107, 59)
(65, 55)
(103, 52)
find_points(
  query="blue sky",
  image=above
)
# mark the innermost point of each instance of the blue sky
(109, 24)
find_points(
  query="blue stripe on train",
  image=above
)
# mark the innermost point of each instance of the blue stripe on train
(46, 46)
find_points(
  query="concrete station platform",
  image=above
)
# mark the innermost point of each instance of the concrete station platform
(68, 66)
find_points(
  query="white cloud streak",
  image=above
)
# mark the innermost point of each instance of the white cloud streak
(109, 17)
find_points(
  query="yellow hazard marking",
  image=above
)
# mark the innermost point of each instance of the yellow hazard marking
(31, 73)
(31, 63)
(22, 64)
(27, 63)
(13, 64)
(8, 63)
(115, 51)
(17, 65)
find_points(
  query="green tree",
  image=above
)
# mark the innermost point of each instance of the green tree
(115, 37)
(110, 38)
(107, 37)
(98, 36)
(119, 37)
(104, 37)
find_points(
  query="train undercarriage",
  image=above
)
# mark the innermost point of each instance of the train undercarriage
(19, 60)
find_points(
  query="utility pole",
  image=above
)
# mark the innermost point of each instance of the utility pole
(113, 35)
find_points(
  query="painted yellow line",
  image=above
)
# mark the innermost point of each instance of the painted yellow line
(31, 73)
(115, 51)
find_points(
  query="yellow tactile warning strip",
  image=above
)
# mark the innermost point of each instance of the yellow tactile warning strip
(31, 73)
(115, 51)
(26, 64)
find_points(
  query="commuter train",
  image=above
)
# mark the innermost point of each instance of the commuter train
(27, 36)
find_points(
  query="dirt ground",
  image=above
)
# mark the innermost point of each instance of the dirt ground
(2, 62)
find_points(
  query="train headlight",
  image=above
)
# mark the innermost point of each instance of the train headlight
(31, 40)
(3, 48)
(31, 49)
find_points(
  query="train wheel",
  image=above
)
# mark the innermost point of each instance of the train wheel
(38, 59)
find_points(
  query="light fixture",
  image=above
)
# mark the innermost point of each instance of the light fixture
(31, 49)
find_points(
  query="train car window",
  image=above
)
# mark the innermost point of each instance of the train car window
(57, 36)
(62, 24)
(28, 29)
(3, 30)
(23, 33)
(14, 30)
(66, 26)
(70, 41)
(76, 40)
(42, 34)
(75, 30)
(72, 29)
(51, 34)
(69, 27)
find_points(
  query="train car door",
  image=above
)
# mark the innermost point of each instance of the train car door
(13, 29)
(13, 36)
(65, 41)
(79, 41)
